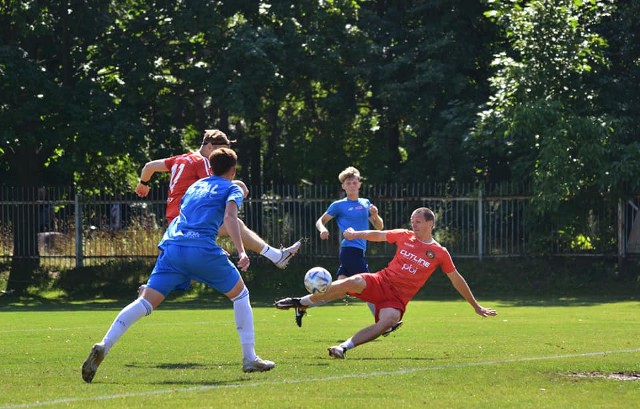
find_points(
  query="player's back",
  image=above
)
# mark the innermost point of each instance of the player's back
(202, 212)
(185, 170)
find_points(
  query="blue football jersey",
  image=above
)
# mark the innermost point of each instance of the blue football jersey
(351, 213)
(202, 213)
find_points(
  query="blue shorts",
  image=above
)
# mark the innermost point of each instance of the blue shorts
(352, 262)
(178, 265)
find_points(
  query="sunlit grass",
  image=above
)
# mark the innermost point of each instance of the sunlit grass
(187, 355)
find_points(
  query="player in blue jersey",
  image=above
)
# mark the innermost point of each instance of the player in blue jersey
(355, 212)
(189, 252)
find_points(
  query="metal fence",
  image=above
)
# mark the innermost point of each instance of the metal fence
(64, 228)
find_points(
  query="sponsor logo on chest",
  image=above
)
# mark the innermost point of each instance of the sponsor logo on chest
(414, 258)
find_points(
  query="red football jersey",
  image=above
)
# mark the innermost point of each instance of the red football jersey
(413, 263)
(185, 170)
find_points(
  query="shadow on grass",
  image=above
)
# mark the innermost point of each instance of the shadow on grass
(206, 298)
(172, 366)
(195, 298)
(196, 366)
(510, 282)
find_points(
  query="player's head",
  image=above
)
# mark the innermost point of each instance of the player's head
(349, 173)
(222, 160)
(216, 138)
(423, 214)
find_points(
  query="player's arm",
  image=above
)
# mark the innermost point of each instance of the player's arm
(233, 229)
(374, 218)
(148, 170)
(320, 225)
(369, 235)
(460, 284)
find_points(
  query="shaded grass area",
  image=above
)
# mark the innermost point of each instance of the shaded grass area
(521, 281)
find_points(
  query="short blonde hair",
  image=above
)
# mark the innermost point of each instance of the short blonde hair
(348, 173)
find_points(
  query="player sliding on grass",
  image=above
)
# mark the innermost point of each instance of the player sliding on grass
(189, 252)
(390, 289)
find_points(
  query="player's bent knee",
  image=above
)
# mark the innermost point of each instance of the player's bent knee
(356, 283)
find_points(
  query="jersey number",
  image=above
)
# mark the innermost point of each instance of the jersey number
(176, 172)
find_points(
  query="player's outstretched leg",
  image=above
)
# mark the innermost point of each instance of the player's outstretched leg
(287, 254)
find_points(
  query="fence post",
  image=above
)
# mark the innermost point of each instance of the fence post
(480, 225)
(78, 212)
(622, 245)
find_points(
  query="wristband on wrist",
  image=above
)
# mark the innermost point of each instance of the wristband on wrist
(144, 183)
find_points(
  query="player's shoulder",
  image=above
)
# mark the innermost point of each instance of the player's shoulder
(223, 182)
(194, 157)
(179, 158)
(337, 204)
(437, 249)
(399, 235)
(189, 157)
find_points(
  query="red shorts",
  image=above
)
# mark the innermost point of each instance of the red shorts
(380, 294)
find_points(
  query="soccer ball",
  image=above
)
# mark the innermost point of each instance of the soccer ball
(317, 280)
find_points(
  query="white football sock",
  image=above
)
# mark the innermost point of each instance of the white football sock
(271, 253)
(244, 324)
(128, 316)
(316, 304)
(348, 344)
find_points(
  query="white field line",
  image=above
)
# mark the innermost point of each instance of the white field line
(324, 379)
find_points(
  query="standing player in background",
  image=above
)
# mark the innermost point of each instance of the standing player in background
(188, 168)
(189, 251)
(354, 212)
(390, 289)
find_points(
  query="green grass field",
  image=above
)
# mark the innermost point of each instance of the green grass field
(187, 355)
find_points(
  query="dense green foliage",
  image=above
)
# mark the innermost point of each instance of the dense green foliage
(91, 90)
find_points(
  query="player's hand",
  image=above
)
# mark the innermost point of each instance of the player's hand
(349, 233)
(243, 261)
(485, 312)
(142, 190)
(373, 211)
(324, 235)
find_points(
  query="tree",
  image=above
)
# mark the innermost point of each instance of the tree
(618, 96)
(53, 114)
(544, 123)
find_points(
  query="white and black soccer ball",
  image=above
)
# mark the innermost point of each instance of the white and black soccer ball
(317, 280)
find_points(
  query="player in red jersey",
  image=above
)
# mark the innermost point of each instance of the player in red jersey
(390, 289)
(188, 168)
